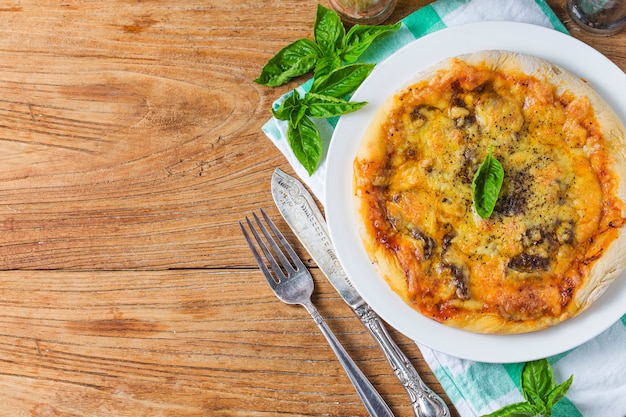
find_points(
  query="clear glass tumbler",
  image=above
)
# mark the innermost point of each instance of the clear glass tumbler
(367, 12)
(599, 17)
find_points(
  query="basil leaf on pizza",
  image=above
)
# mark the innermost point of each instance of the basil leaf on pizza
(550, 234)
(486, 185)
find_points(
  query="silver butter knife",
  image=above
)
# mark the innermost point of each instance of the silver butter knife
(298, 208)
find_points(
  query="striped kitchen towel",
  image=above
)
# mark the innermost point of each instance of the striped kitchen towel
(476, 388)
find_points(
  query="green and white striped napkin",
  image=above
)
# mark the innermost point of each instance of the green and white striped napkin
(476, 388)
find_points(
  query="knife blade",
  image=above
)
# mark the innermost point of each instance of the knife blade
(299, 210)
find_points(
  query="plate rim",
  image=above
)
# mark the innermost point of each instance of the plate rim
(525, 38)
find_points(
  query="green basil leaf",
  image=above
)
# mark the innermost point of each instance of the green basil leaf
(291, 109)
(486, 185)
(538, 389)
(325, 65)
(306, 143)
(290, 104)
(342, 81)
(514, 410)
(293, 60)
(360, 37)
(322, 107)
(558, 392)
(537, 382)
(331, 84)
(328, 31)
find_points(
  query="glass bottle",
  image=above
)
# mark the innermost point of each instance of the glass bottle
(366, 12)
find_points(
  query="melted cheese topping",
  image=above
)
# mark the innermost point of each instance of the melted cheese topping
(555, 214)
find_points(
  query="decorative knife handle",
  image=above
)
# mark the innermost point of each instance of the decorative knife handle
(426, 403)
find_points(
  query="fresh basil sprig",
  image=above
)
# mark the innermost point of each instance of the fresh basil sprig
(486, 185)
(331, 48)
(322, 101)
(539, 390)
(332, 57)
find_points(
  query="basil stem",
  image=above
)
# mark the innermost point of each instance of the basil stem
(486, 185)
(291, 109)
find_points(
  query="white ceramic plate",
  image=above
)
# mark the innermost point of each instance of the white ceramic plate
(395, 73)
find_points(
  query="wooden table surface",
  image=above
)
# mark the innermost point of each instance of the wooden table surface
(131, 146)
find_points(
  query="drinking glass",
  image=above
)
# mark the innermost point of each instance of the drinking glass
(599, 17)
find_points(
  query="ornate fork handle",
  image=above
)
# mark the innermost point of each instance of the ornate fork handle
(372, 400)
(426, 403)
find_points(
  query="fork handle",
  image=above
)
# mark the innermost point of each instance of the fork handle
(425, 402)
(374, 403)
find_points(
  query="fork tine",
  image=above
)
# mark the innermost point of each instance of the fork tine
(256, 254)
(285, 244)
(278, 272)
(288, 267)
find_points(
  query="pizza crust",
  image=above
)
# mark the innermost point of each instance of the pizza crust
(601, 272)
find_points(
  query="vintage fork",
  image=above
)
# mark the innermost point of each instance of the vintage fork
(292, 283)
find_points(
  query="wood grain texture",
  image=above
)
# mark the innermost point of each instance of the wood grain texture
(146, 343)
(131, 146)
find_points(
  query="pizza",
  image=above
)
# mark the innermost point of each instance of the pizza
(554, 239)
